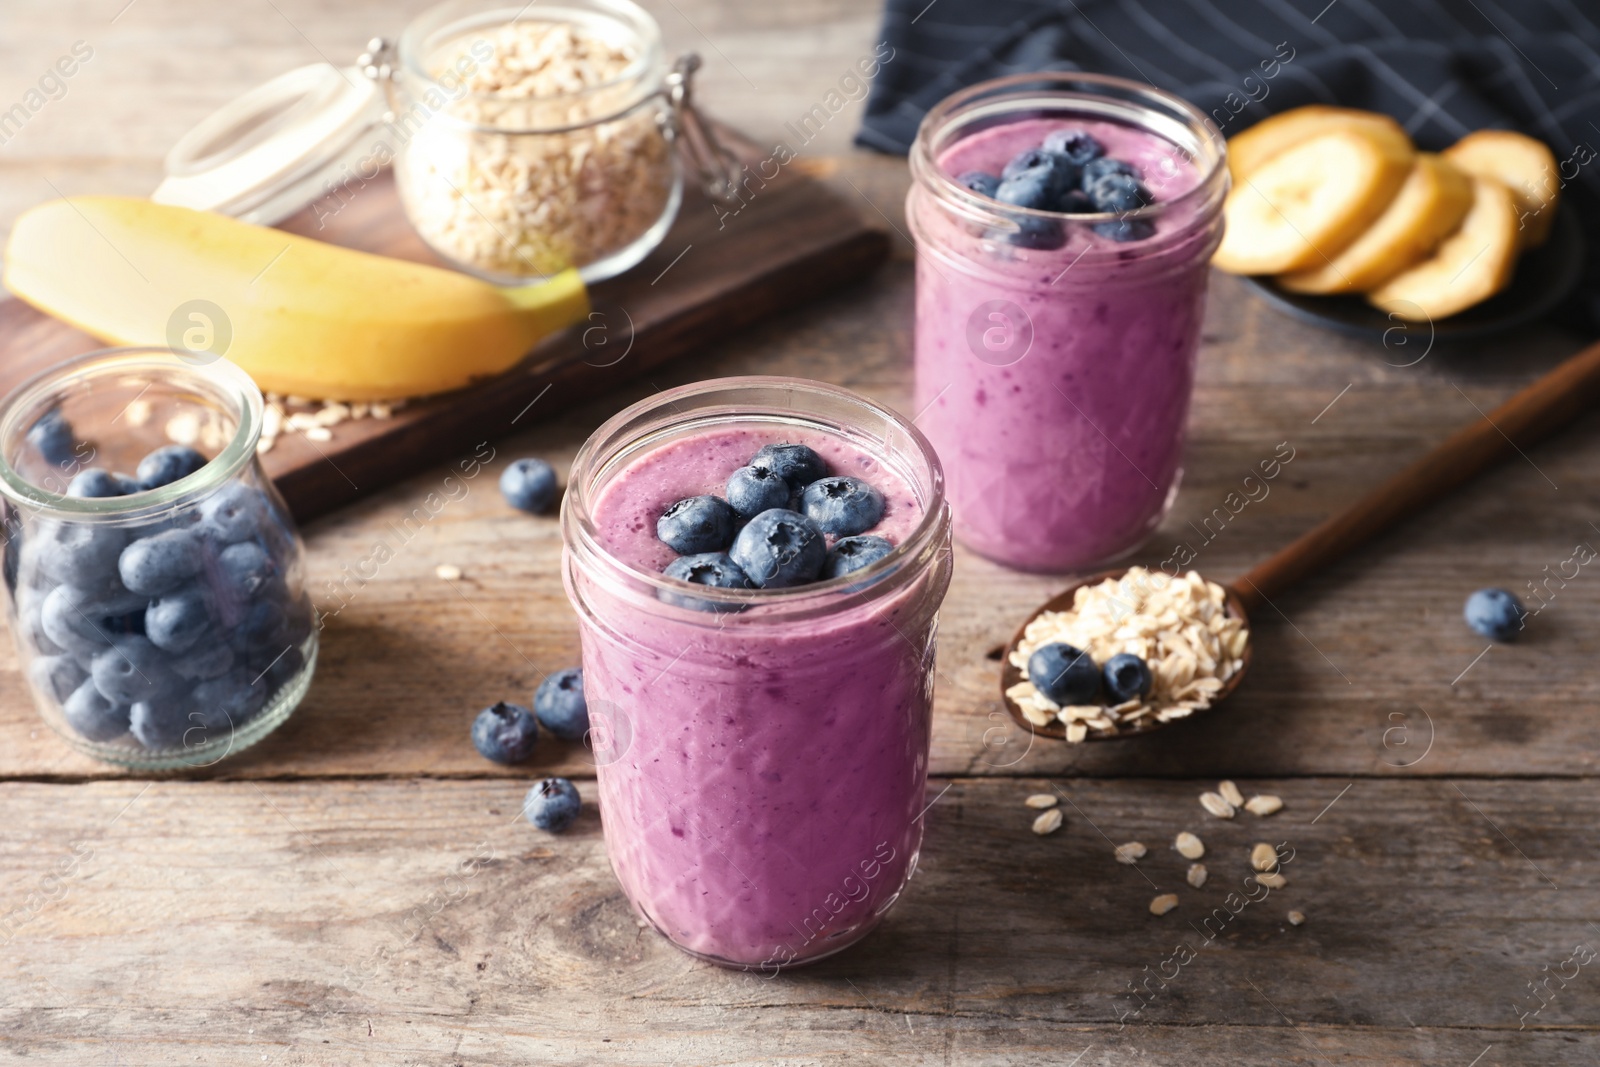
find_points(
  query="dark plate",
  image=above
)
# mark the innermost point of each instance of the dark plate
(1543, 278)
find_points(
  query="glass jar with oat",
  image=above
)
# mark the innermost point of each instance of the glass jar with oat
(539, 137)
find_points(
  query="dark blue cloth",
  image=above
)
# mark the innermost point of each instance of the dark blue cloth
(1443, 68)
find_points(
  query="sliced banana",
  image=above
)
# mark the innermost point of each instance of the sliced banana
(1272, 136)
(1305, 205)
(1431, 203)
(1526, 166)
(1470, 266)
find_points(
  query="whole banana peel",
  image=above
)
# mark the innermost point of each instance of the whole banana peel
(303, 317)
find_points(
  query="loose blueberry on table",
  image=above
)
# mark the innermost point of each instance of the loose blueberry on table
(505, 733)
(1496, 614)
(552, 804)
(529, 485)
(559, 704)
(175, 632)
(787, 522)
(1068, 174)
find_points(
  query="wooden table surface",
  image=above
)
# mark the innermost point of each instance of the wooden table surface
(359, 887)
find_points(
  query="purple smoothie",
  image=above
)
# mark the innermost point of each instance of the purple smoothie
(1055, 384)
(762, 789)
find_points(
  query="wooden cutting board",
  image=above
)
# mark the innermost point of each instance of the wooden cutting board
(792, 240)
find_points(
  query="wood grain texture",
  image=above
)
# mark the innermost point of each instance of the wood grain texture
(791, 241)
(423, 922)
(320, 895)
(1369, 645)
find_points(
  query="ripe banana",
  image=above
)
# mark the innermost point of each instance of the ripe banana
(1525, 165)
(1470, 266)
(1305, 205)
(1428, 207)
(304, 318)
(1274, 135)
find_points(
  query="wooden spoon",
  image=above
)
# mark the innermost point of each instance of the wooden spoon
(1521, 422)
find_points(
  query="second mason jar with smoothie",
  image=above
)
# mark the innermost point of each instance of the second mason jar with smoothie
(1064, 224)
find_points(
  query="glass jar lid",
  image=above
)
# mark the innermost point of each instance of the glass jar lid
(270, 152)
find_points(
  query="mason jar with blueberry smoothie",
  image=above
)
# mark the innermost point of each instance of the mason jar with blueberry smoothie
(757, 566)
(1063, 224)
(153, 574)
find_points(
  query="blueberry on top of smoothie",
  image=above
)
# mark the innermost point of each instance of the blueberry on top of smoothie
(698, 524)
(1122, 230)
(979, 182)
(850, 554)
(167, 464)
(1040, 189)
(1076, 145)
(1064, 674)
(1496, 614)
(552, 804)
(505, 733)
(754, 489)
(1096, 169)
(842, 505)
(1056, 170)
(559, 704)
(1126, 676)
(714, 569)
(1077, 202)
(779, 549)
(1118, 192)
(1042, 234)
(799, 465)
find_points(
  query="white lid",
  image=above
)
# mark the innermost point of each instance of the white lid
(277, 148)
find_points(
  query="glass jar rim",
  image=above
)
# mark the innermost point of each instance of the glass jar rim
(226, 381)
(624, 13)
(581, 536)
(967, 101)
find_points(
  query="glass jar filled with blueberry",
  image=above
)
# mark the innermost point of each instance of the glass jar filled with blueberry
(153, 575)
(1064, 225)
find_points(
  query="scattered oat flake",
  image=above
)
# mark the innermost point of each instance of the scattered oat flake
(448, 571)
(1263, 805)
(1189, 846)
(1197, 874)
(1041, 800)
(1048, 822)
(1216, 805)
(1296, 918)
(1263, 857)
(319, 433)
(1231, 794)
(1131, 853)
(1076, 732)
(1163, 904)
(1272, 881)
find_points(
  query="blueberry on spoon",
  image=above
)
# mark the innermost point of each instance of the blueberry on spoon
(1064, 674)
